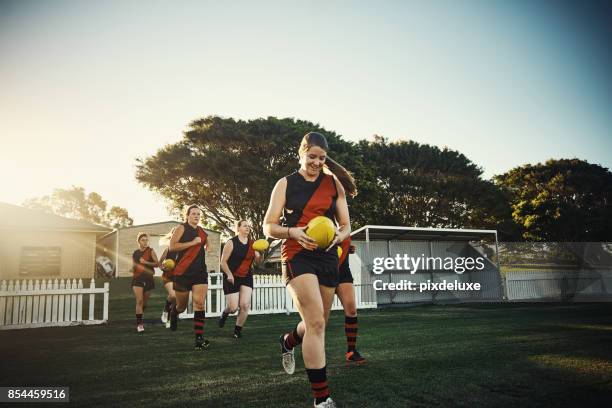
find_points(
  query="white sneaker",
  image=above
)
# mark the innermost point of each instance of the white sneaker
(328, 403)
(168, 324)
(288, 357)
(140, 328)
(164, 317)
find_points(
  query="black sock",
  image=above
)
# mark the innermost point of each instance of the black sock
(167, 306)
(292, 340)
(350, 330)
(224, 315)
(138, 318)
(318, 383)
(198, 322)
(237, 329)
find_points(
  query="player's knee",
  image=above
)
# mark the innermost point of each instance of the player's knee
(316, 325)
(245, 306)
(350, 310)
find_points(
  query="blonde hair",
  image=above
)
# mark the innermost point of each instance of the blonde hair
(164, 240)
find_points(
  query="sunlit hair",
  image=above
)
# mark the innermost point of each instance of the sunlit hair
(344, 176)
(239, 224)
(188, 210)
(164, 240)
(141, 235)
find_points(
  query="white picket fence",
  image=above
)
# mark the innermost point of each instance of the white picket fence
(270, 296)
(29, 304)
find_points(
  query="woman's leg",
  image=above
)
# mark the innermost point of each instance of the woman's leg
(245, 306)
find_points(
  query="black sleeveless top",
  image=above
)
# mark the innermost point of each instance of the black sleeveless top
(305, 200)
(241, 258)
(198, 265)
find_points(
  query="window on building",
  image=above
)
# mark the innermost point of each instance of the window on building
(40, 261)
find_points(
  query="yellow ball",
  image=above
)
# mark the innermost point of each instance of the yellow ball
(260, 245)
(168, 264)
(339, 252)
(322, 230)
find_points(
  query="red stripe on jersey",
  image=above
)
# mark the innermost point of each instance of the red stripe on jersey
(320, 202)
(190, 254)
(345, 245)
(140, 268)
(245, 265)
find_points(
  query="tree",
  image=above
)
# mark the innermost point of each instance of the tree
(412, 184)
(561, 200)
(229, 167)
(74, 203)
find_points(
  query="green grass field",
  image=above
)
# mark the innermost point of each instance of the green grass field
(444, 356)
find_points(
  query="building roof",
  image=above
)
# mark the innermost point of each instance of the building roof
(13, 217)
(151, 224)
(394, 233)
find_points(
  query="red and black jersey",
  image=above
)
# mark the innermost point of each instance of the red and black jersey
(241, 258)
(346, 246)
(139, 268)
(305, 200)
(191, 261)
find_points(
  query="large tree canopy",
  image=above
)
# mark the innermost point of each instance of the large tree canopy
(229, 167)
(561, 200)
(412, 184)
(75, 203)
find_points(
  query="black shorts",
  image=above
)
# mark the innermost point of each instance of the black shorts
(228, 288)
(145, 281)
(344, 273)
(183, 283)
(326, 269)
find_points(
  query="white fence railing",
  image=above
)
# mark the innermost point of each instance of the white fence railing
(29, 304)
(270, 296)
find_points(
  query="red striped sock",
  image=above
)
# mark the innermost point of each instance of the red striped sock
(198, 322)
(318, 383)
(350, 330)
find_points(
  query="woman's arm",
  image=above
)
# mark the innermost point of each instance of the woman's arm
(225, 255)
(271, 226)
(176, 246)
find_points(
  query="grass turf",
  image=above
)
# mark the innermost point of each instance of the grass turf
(445, 356)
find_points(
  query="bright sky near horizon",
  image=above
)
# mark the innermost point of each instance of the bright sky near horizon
(87, 87)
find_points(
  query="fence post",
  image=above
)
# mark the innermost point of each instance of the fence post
(73, 301)
(60, 302)
(2, 302)
(16, 304)
(29, 303)
(36, 302)
(105, 311)
(79, 315)
(67, 302)
(92, 300)
(49, 303)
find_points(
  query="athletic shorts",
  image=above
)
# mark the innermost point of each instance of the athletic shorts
(344, 274)
(166, 277)
(183, 283)
(326, 270)
(145, 281)
(228, 288)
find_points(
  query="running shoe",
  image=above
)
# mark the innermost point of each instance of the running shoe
(328, 403)
(354, 357)
(288, 356)
(201, 343)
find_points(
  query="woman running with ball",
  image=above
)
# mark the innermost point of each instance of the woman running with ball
(311, 274)
(167, 268)
(190, 241)
(144, 260)
(236, 260)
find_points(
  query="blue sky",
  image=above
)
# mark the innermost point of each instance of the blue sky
(89, 86)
